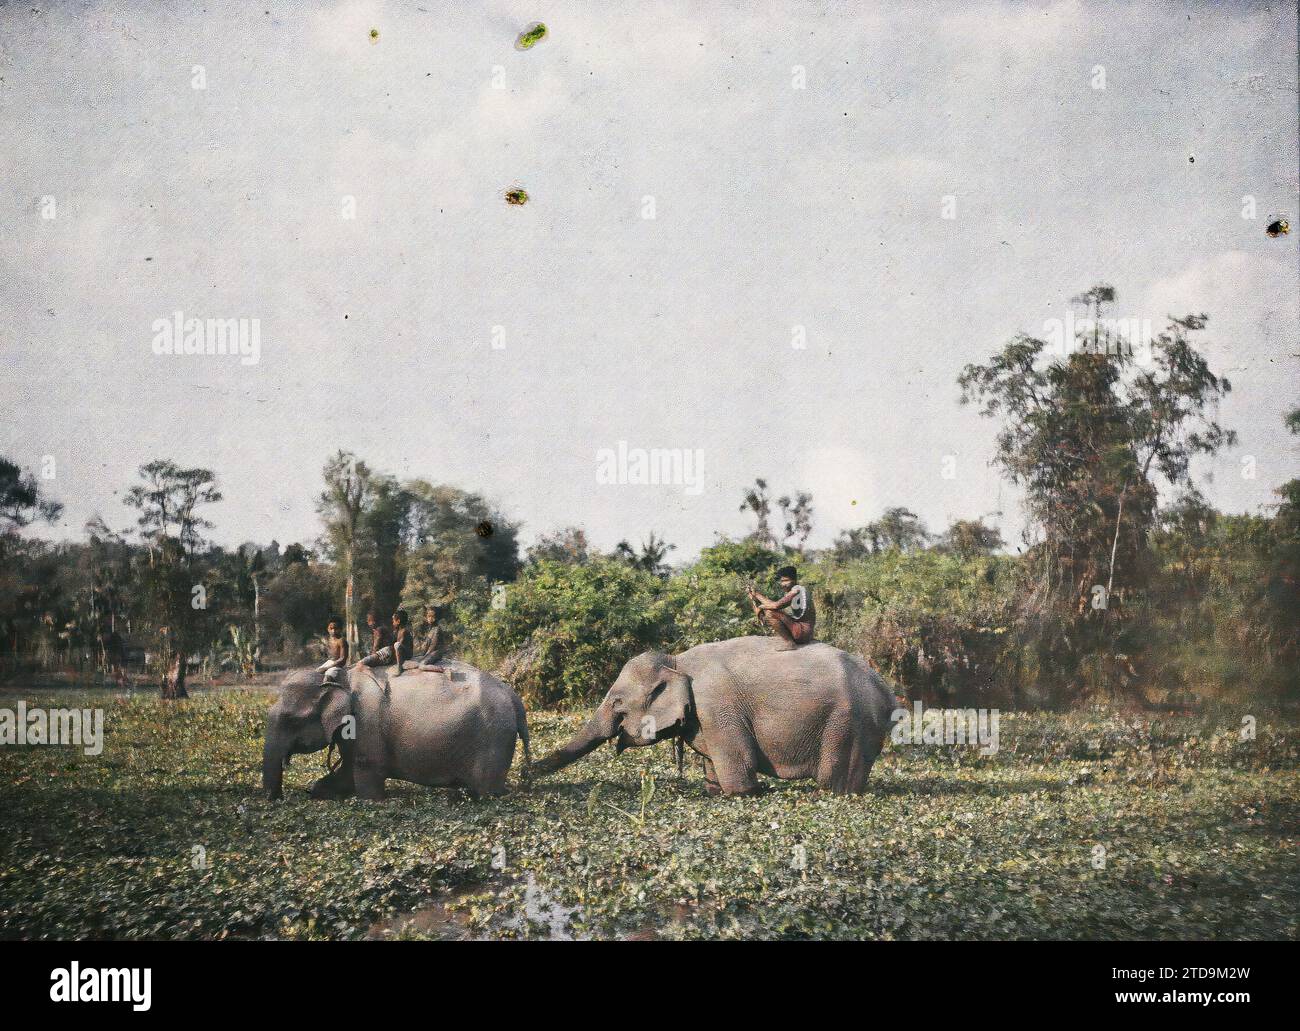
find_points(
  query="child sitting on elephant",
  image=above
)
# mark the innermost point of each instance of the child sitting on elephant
(399, 651)
(336, 651)
(433, 643)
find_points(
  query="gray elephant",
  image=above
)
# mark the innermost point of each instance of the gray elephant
(451, 729)
(748, 709)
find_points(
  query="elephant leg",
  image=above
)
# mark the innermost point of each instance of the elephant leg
(338, 783)
(734, 771)
(711, 785)
(369, 779)
(842, 768)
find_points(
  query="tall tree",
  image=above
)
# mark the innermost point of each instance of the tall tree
(568, 545)
(897, 529)
(796, 520)
(172, 528)
(758, 502)
(348, 495)
(454, 538)
(969, 537)
(1087, 435)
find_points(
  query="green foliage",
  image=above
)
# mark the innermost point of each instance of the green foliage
(706, 601)
(1222, 615)
(565, 631)
(1086, 434)
(1197, 827)
(22, 500)
(938, 625)
(297, 602)
(456, 542)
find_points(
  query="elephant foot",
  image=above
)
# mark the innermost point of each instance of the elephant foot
(332, 787)
(370, 785)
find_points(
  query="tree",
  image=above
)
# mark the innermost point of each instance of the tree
(651, 557)
(758, 502)
(967, 538)
(453, 539)
(898, 529)
(171, 528)
(567, 546)
(796, 519)
(1086, 434)
(22, 501)
(348, 495)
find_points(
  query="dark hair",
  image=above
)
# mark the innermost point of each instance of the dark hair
(334, 619)
(400, 616)
(789, 571)
(435, 609)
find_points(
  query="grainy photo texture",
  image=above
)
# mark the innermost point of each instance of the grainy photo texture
(648, 471)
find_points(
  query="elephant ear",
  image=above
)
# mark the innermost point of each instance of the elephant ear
(672, 702)
(329, 703)
(335, 707)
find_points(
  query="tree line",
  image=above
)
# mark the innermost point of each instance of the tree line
(1128, 583)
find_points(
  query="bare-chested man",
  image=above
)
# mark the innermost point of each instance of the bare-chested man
(792, 616)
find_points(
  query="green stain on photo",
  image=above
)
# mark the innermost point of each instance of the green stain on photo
(516, 197)
(532, 35)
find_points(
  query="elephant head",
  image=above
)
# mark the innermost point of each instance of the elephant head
(651, 700)
(305, 718)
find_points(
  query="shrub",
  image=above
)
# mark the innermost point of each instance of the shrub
(564, 631)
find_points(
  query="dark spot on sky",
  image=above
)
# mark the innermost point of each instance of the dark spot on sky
(484, 529)
(1279, 228)
(516, 197)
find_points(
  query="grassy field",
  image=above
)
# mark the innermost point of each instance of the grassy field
(164, 835)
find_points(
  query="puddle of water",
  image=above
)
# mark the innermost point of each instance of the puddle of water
(435, 921)
(438, 920)
(541, 908)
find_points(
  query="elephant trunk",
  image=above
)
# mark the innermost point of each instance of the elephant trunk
(602, 726)
(273, 757)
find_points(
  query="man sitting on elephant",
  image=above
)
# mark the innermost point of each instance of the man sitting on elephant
(792, 616)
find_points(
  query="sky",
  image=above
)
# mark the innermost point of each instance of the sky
(767, 234)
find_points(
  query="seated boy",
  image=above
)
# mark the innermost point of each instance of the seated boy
(336, 652)
(396, 653)
(792, 616)
(433, 643)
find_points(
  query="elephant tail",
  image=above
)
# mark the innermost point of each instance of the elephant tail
(521, 728)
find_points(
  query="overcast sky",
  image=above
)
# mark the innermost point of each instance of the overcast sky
(774, 208)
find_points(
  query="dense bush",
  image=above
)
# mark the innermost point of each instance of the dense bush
(937, 625)
(563, 632)
(707, 601)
